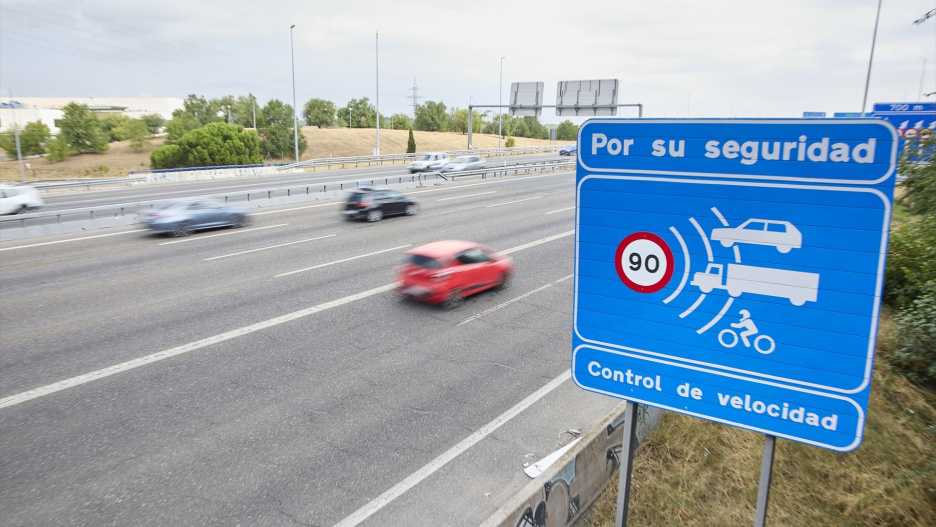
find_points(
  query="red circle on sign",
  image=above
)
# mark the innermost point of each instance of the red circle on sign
(667, 254)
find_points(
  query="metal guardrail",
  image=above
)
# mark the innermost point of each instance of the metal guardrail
(404, 158)
(250, 197)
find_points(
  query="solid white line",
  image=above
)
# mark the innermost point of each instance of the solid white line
(507, 303)
(185, 348)
(72, 240)
(511, 202)
(342, 261)
(236, 231)
(560, 210)
(468, 195)
(428, 469)
(270, 247)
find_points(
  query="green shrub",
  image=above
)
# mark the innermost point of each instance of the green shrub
(411, 143)
(169, 156)
(911, 260)
(510, 142)
(916, 338)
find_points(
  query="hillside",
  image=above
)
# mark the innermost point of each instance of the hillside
(323, 142)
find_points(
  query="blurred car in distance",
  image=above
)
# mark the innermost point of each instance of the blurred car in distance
(181, 217)
(429, 162)
(464, 163)
(19, 199)
(374, 203)
(445, 272)
(570, 150)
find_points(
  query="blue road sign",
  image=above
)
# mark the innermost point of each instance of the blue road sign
(732, 269)
(814, 115)
(912, 119)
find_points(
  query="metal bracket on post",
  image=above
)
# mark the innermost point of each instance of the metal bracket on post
(763, 491)
(627, 456)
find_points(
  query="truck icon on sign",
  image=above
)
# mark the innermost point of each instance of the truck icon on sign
(795, 286)
(781, 234)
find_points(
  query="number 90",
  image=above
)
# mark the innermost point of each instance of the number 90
(651, 263)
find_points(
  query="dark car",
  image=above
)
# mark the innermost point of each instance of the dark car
(373, 203)
(570, 150)
(181, 217)
(445, 272)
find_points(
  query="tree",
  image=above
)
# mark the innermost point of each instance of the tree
(111, 122)
(566, 131)
(461, 121)
(32, 138)
(215, 144)
(243, 110)
(320, 113)
(58, 150)
(360, 112)
(276, 131)
(134, 130)
(432, 117)
(181, 124)
(411, 143)
(401, 121)
(199, 108)
(154, 122)
(80, 130)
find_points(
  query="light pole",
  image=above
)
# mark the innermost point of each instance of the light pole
(864, 101)
(295, 118)
(500, 102)
(922, 74)
(377, 75)
(19, 154)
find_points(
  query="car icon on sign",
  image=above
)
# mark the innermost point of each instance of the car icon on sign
(781, 234)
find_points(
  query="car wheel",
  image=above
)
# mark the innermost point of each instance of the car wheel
(504, 280)
(453, 300)
(239, 221)
(182, 229)
(375, 215)
(22, 210)
(412, 209)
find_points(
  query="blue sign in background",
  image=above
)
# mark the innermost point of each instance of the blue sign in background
(800, 281)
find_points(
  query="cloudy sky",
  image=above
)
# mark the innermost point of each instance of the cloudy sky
(713, 58)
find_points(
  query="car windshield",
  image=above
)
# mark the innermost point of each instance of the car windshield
(355, 197)
(424, 261)
(462, 159)
(424, 157)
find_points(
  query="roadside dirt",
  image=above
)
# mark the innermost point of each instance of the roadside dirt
(120, 159)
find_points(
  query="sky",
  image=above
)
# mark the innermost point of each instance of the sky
(678, 58)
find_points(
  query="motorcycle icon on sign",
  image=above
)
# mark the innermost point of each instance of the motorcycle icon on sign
(728, 338)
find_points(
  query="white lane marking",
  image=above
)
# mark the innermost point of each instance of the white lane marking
(468, 195)
(236, 231)
(560, 210)
(342, 261)
(185, 348)
(511, 301)
(72, 240)
(512, 202)
(538, 242)
(428, 469)
(270, 247)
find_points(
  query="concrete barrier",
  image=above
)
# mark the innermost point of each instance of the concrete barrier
(569, 486)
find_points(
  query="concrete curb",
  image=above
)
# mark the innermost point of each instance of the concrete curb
(570, 486)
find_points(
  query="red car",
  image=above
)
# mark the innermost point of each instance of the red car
(446, 272)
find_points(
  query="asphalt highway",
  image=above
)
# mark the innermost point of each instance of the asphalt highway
(267, 375)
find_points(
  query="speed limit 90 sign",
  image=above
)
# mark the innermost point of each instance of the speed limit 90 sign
(644, 262)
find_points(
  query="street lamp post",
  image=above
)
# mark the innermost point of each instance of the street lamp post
(19, 154)
(500, 102)
(864, 102)
(922, 75)
(295, 118)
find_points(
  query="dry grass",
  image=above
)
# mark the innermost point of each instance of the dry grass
(694, 472)
(119, 159)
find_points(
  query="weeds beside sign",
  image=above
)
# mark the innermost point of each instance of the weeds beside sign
(732, 269)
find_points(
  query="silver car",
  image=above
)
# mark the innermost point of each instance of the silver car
(181, 217)
(19, 199)
(464, 163)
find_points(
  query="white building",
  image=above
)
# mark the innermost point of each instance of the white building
(22, 110)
